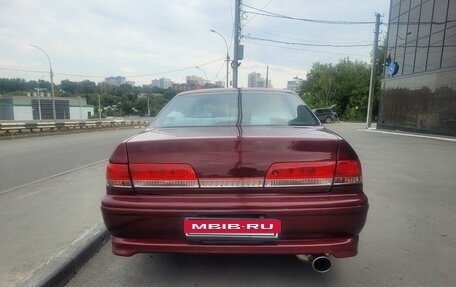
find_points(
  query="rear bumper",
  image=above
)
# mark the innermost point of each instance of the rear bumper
(338, 247)
(311, 224)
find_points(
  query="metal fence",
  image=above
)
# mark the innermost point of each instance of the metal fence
(10, 127)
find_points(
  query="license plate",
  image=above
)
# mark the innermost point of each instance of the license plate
(232, 228)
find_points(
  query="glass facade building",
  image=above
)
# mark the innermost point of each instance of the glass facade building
(42, 109)
(422, 42)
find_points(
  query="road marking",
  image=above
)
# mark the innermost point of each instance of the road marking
(51, 176)
(408, 135)
(31, 194)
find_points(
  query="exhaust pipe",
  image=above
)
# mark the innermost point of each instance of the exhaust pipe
(321, 264)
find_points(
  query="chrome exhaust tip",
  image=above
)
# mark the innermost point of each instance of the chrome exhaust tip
(321, 264)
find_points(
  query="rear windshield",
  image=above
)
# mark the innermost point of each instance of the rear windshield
(222, 109)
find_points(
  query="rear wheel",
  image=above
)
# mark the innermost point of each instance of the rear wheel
(328, 120)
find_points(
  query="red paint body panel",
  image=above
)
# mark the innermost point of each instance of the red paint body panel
(231, 152)
(337, 246)
(309, 222)
(314, 220)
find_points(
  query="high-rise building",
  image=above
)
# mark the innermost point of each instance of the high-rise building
(294, 85)
(419, 88)
(256, 81)
(165, 83)
(195, 80)
(253, 79)
(162, 83)
(261, 83)
(115, 81)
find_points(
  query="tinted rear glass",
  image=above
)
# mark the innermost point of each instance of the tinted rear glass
(221, 109)
(282, 109)
(206, 109)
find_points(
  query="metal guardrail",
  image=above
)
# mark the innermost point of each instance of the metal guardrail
(9, 127)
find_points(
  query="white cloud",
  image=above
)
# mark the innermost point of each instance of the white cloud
(130, 38)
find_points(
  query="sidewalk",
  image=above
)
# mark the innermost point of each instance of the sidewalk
(45, 224)
(363, 128)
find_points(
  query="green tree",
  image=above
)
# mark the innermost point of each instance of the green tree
(69, 87)
(345, 86)
(115, 100)
(317, 88)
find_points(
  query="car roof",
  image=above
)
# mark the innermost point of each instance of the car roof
(227, 90)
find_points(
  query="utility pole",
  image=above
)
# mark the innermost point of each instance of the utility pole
(99, 106)
(267, 76)
(237, 38)
(370, 102)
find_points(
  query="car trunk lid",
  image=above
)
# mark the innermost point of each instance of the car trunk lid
(222, 156)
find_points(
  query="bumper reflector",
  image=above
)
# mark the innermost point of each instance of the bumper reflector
(165, 183)
(231, 182)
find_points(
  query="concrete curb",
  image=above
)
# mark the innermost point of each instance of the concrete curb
(61, 268)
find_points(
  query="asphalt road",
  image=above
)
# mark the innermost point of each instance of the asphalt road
(28, 159)
(50, 191)
(409, 238)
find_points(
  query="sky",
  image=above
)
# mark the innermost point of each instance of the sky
(144, 40)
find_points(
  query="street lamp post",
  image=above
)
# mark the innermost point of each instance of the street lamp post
(227, 56)
(148, 107)
(38, 96)
(207, 81)
(99, 106)
(52, 81)
(38, 100)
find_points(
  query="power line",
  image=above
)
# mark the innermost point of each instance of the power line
(134, 76)
(177, 70)
(262, 9)
(307, 44)
(21, 70)
(284, 35)
(262, 12)
(336, 22)
(232, 29)
(306, 50)
(218, 71)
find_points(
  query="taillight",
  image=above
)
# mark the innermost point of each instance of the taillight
(300, 174)
(117, 175)
(163, 175)
(348, 172)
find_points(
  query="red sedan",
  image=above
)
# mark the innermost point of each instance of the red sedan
(236, 171)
